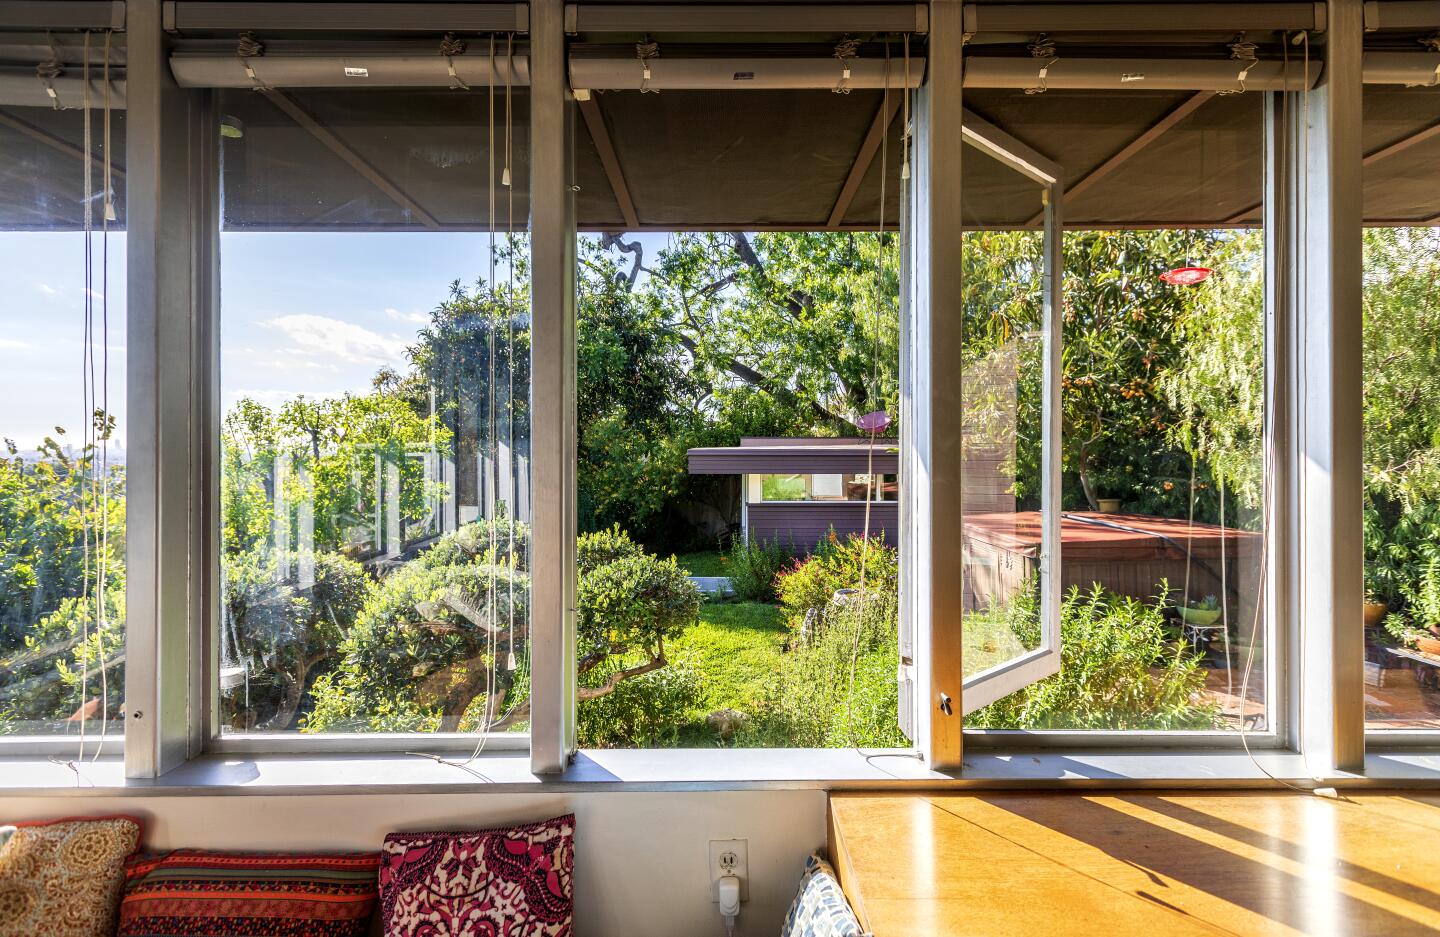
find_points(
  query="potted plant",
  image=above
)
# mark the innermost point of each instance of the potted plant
(1202, 613)
(1420, 628)
(1377, 603)
(1375, 610)
(1108, 505)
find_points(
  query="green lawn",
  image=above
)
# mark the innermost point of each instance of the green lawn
(736, 646)
(709, 563)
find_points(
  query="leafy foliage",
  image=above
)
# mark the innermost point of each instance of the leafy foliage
(837, 690)
(281, 633)
(436, 636)
(753, 567)
(629, 604)
(813, 582)
(1121, 667)
(46, 509)
(646, 712)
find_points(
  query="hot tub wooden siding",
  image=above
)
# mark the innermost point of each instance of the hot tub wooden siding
(801, 524)
(1001, 551)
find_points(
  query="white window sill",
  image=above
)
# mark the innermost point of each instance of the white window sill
(697, 769)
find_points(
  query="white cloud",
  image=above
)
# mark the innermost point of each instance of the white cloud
(11, 344)
(45, 289)
(324, 337)
(418, 318)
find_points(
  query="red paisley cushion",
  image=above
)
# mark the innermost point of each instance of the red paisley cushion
(491, 883)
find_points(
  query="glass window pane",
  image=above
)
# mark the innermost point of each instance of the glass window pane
(725, 373)
(375, 385)
(62, 383)
(1162, 400)
(1402, 408)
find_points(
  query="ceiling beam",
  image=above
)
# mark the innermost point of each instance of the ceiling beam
(1156, 130)
(1404, 143)
(51, 140)
(605, 148)
(879, 127)
(343, 150)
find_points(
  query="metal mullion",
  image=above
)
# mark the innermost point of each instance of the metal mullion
(934, 462)
(164, 536)
(1280, 413)
(552, 629)
(1326, 257)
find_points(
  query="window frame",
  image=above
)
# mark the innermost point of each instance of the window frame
(1312, 219)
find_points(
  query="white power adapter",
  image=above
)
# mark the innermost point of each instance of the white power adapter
(728, 888)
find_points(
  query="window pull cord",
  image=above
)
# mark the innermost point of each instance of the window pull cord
(450, 47)
(1043, 48)
(1243, 52)
(845, 50)
(248, 47)
(645, 51)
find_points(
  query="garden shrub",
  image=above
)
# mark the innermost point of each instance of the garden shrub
(812, 582)
(628, 604)
(627, 599)
(754, 564)
(644, 712)
(418, 655)
(1121, 667)
(286, 632)
(839, 689)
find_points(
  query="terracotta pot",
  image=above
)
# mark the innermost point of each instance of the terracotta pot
(1426, 644)
(1375, 613)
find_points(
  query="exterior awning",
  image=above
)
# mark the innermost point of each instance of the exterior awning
(798, 457)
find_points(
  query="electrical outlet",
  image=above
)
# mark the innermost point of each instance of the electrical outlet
(730, 857)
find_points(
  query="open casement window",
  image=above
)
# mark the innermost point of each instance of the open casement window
(1011, 387)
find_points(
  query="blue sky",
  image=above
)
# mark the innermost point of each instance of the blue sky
(304, 313)
(42, 307)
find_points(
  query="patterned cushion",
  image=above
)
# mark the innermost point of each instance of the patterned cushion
(192, 892)
(63, 878)
(820, 908)
(515, 880)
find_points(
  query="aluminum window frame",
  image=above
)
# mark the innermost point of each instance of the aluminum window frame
(172, 267)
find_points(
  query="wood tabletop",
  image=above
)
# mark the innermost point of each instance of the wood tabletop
(1140, 864)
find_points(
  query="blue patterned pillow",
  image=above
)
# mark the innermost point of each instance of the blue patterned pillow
(820, 908)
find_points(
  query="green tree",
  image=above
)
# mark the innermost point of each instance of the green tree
(62, 578)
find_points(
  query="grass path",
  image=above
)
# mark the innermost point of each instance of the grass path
(737, 646)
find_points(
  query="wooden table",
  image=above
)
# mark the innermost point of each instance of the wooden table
(1010, 863)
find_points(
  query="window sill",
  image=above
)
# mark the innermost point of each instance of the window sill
(702, 769)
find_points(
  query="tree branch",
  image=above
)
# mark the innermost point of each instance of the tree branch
(796, 301)
(616, 678)
(611, 240)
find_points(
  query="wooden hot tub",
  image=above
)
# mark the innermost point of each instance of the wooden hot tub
(1128, 554)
